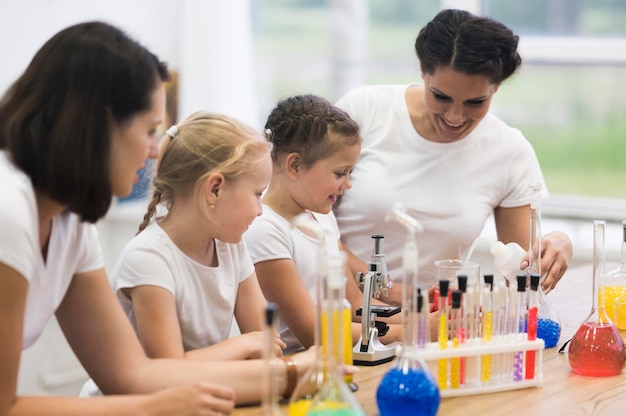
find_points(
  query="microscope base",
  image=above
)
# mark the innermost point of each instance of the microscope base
(377, 353)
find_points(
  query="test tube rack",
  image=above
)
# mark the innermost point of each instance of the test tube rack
(500, 353)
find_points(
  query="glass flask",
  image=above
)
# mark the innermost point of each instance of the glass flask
(270, 402)
(548, 322)
(614, 287)
(597, 349)
(408, 388)
(334, 397)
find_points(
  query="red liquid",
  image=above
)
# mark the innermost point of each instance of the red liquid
(532, 335)
(597, 350)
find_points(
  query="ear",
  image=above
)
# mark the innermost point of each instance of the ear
(293, 165)
(214, 186)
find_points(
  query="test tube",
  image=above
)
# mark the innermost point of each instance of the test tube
(422, 320)
(520, 321)
(443, 332)
(457, 334)
(533, 306)
(487, 311)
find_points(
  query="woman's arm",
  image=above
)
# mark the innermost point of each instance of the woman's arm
(106, 345)
(179, 400)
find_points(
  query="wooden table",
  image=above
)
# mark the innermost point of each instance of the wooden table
(562, 392)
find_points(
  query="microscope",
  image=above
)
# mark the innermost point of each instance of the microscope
(369, 350)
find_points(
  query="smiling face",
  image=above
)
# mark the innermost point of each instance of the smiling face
(134, 141)
(456, 102)
(240, 201)
(320, 185)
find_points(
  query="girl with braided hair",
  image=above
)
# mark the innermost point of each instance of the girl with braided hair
(315, 148)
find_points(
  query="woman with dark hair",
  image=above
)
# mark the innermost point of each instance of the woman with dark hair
(436, 149)
(74, 130)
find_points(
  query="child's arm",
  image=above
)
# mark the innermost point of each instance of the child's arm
(281, 284)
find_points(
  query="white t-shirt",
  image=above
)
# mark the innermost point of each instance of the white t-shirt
(450, 188)
(73, 248)
(205, 296)
(272, 237)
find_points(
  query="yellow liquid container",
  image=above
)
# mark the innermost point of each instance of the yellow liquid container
(613, 288)
(344, 318)
(610, 294)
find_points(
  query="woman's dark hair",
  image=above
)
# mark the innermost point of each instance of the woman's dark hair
(55, 119)
(302, 124)
(470, 44)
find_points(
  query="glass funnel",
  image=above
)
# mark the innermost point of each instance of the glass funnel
(408, 388)
(597, 348)
(548, 322)
(614, 287)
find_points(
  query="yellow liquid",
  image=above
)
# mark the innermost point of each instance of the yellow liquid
(486, 361)
(299, 408)
(611, 293)
(343, 317)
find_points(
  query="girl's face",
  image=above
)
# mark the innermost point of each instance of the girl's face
(456, 102)
(240, 202)
(320, 185)
(135, 141)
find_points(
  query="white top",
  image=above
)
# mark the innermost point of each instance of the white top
(73, 248)
(205, 296)
(450, 188)
(272, 237)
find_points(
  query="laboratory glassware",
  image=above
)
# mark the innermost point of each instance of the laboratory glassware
(548, 322)
(614, 287)
(270, 403)
(334, 396)
(597, 348)
(408, 388)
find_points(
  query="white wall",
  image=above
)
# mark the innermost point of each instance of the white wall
(208, 41)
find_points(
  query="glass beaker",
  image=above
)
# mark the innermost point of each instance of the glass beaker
(408, 388)
(450, 269)
(597, 348)
(614, 285)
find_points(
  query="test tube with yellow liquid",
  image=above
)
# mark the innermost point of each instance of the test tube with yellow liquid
(487, 310)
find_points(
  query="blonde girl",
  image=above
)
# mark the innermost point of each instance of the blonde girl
(187, 273)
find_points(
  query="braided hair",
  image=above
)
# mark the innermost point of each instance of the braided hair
(310, 126)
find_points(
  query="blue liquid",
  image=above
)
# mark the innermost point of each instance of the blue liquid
(413, 392)
(549, 331)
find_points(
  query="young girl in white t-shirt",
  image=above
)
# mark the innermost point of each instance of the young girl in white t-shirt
(187, 273)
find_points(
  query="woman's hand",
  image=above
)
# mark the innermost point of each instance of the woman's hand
(556, 253)
(193, 399)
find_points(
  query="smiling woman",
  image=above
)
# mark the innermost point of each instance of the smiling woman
(436, 149)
